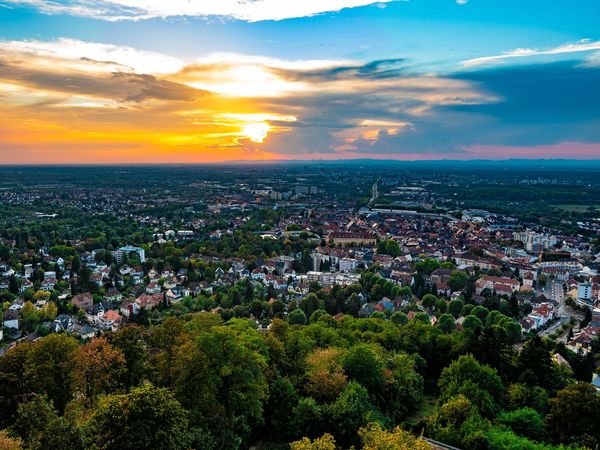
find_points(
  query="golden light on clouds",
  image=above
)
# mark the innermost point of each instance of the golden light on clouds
(113, 103)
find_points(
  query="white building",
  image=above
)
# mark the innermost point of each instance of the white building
(347, 265)
(128, 250)
(534, 242)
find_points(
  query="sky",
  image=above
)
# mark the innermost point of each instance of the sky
(200, 81)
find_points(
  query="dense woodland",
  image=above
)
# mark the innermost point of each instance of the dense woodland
(200, 382)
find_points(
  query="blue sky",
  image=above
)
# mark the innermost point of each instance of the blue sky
(466, 79)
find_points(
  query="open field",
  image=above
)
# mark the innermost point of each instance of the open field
(574, 207)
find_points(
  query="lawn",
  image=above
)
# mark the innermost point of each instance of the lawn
(424, 411)
(573, 207)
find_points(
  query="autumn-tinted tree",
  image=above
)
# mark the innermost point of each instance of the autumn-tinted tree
(8, 442)
(99, 368)
(325, 376)
(374, 437)
(325, 442)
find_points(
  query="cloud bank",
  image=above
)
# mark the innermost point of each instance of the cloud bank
(117, 103)
(248, 10)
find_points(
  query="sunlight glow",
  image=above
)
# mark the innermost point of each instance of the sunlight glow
(257, 131)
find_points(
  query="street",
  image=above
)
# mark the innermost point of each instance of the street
(554, 291)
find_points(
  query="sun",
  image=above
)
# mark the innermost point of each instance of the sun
(256, 131)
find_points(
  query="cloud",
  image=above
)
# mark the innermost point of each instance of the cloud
(94, 56)
(248, 10)
(584, 45)
(66, 92)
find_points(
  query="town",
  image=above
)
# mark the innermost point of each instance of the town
(96, 250)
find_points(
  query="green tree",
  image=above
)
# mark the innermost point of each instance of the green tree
(525, 422)
(351, 411)
(458, 280)
(362, 363)
(50, 366)
(446, 323)
(147, 417)
(472, 323)
(40, 427)
(310, 304)
(535, 366)
(403, 388)
(479, 383)
(15, 385)
(519, 395)
(429, 300)
(421, 317)
(297, 317)
(427, 266)
(130, 341)
(316, 315)
(399, 318)
(279, 409)
(219, 377)
(378, 315)
(481, 312)
(574, 416)
(455, 307)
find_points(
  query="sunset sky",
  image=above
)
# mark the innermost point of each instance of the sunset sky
(148, 81)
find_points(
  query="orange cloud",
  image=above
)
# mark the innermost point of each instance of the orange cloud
(73, 101)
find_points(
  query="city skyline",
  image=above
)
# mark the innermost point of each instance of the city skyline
(139, 81)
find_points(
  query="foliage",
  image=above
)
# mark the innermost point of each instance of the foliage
(325, 442)
(525, 422)
(574, 414)
(297, 317)
(480, 384)
(147, 417)
(374, 437)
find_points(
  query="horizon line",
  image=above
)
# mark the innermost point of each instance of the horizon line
(301, 161)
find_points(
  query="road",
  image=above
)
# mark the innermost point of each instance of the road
(374, 192)
(554, 290)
